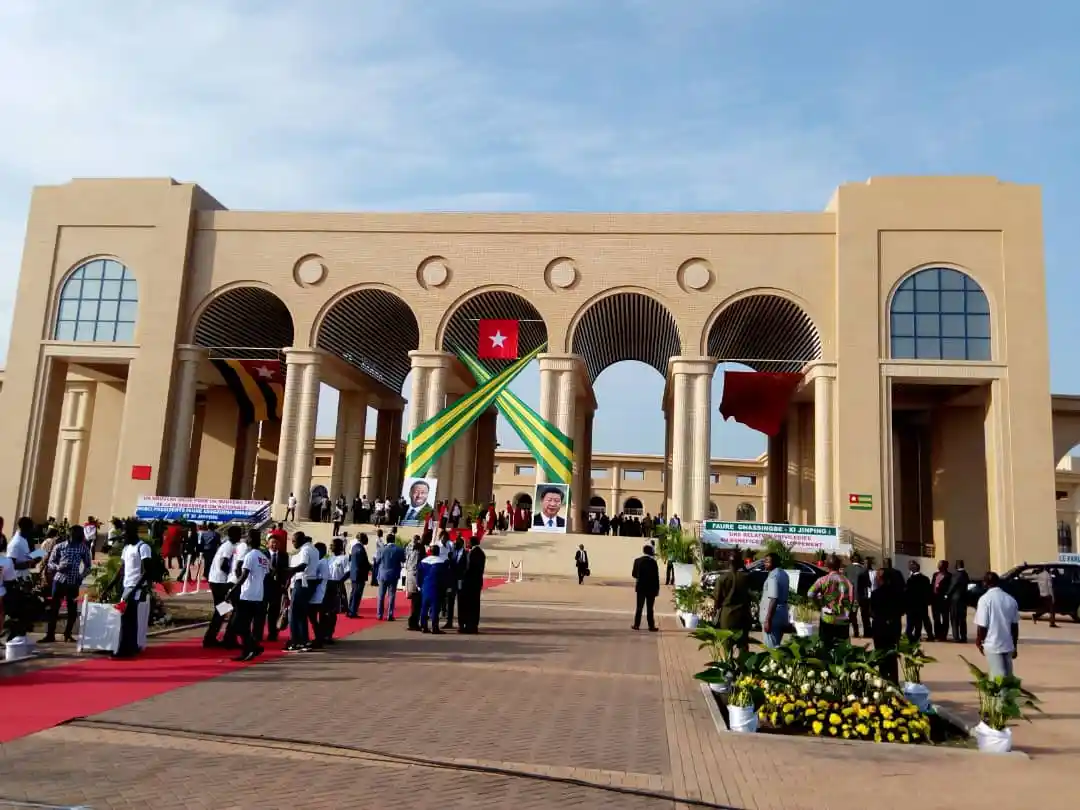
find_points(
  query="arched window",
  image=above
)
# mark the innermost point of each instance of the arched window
(596, 502)
(746, 512)
(523, 500)
(98, 302)
(714, 511)
(939, 314)
(633, 506)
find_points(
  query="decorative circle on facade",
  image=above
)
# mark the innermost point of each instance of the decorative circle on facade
(433, 272)
(561, 273)
(310, 271)
(694, 275)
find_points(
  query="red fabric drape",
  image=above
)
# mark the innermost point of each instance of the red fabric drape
(758, 399)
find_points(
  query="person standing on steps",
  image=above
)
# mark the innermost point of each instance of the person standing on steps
(581, 561)
(646, 575)
(290, 510)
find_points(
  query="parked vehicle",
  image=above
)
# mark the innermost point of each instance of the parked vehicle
(808, 575)
(1020, 583)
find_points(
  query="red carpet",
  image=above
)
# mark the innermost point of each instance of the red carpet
(39, 700)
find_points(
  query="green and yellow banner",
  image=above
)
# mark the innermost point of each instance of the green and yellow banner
(552, 449)
(435, 436)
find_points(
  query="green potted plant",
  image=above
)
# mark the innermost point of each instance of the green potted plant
(683, 552)
(720, 644)
(688, 601)
(804, 615)
(912, 661)
(1002, 699)
(743, 699)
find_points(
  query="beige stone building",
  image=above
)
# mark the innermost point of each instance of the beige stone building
(914, 308)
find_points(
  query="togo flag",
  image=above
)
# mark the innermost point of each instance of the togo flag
(431, 439)
(552, 449)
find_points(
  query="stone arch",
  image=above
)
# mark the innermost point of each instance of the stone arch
(746, 512)
(97, 301)
(765, 329)
(523, 500)
(714, 511)
(633, 506)
(627, 323)
(372, 328)
(247, 318)
(596, 502)
(939, 312)
(458, 329)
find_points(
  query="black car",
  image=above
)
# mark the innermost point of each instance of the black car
(808, 575)
(1021, 585)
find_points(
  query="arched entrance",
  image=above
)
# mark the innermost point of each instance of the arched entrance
(769, 332)
(597, 504)
(244, 331)
(745, 512)
(633, 506)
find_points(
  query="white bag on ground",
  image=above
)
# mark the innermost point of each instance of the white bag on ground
(992, 741)
(918, 695)
(742, 719)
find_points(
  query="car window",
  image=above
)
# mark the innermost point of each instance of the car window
(1028, 573)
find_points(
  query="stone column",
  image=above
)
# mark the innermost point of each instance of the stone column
(187, 376)
(355, 404)
(701, 452)
(380, 457)
(366, 486)
(294, 372)
(587, 463)
(824, 499)
(668, 424)
(429, 370)
(339, 459)
(307, 410)
(484, 467)
(464, 474)
(249, 458)
(615, 496)
(394, 457)
(776, 482)
(62, 470)
(581, 489)
(681, 441)
(549, 391)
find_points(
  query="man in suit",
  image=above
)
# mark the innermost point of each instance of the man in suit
(274, 586)
(418, 497)
(471, 585)
(458, 563)
(551, 503)
(958, 588)
(359, 570)
(917, 595)
(941, 584)
(886, 608)
(864, 588)
(646, 575)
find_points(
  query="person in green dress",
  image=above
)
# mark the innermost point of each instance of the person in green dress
(733, 609)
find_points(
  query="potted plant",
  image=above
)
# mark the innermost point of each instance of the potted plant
(721, 669)
(743, 699)
(804, 615)
(682, 551)
(1002, 699)
(912, 661)
(688, 601)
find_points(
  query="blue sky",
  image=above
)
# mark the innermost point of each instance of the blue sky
(636, 105)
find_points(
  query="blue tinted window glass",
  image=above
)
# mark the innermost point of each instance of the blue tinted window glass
(98, 302)
(939, 314)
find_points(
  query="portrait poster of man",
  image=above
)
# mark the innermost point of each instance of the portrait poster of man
(551, 503)
(418, 493)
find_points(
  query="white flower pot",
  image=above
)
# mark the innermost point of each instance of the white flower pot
(805, 629)
(719, 688)
(17, 649)
(992, 741)
(684, 574)
(742, 719)
(918, 695)
(689, 620)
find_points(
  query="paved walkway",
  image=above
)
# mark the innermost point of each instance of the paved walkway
(556, 704)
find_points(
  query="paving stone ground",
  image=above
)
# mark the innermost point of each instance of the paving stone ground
(556, 689)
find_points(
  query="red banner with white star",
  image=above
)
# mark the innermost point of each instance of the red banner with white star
(497, 339)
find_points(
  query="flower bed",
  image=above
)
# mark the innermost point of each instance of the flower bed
(807, 688)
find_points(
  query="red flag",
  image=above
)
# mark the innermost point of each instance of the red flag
(497, 339)
(264, 371)
(758, 400)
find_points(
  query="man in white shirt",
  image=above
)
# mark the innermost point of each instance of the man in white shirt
(247, 596)
(290, 511)
(221, 568)
(337, 569)
(90, 532)
(19, 548)
(134, 572)
(997, 622)
(16, 600)
(303, 566)
(317, 606)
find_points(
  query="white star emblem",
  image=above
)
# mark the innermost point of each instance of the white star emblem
(497, 340)
(265, 372)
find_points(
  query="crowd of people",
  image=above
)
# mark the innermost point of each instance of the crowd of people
(257, 594)
(881, 598)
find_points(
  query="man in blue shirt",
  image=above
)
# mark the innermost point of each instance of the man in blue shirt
(388, 561)
(69, 562)
(774, 602)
